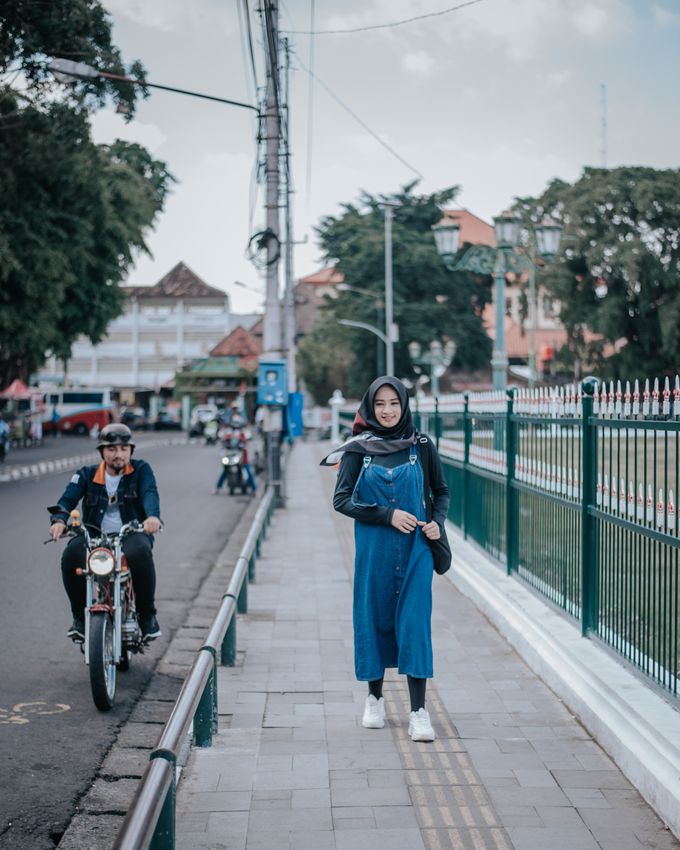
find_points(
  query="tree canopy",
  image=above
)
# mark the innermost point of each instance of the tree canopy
(619, 271)
(72, 213)
(430, 302)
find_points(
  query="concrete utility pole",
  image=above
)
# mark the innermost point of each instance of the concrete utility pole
(289, 301)
(272, 314)
(272, 343)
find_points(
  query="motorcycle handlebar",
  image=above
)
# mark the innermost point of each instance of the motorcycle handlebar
(71, 531)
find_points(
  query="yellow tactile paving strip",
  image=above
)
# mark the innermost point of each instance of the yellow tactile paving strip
(451, 804)
(453, 809)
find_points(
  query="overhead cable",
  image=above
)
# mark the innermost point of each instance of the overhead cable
(360, 121)
(245, 14)
(310, 110)
(386, 26)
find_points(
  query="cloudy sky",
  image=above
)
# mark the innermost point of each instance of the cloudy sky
(497, 97)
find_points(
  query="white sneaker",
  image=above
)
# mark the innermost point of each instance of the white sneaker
(419, 726)
(374, 713)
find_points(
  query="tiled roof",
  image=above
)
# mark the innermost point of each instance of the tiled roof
(324, 277)
(239, 343)
(179, 282)
(473, 229)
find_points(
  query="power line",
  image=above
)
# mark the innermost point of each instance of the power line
(244, 14)
(386, 26)
(360, 121)
(310, 110)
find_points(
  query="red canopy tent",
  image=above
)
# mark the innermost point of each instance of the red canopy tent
(17, 390)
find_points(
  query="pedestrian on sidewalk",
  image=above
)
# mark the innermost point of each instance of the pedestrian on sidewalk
(381, 486)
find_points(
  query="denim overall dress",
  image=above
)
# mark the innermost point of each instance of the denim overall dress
(392, 577)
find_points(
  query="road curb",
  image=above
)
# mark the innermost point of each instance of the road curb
(47, 467)
(98, 818)
(635, 725)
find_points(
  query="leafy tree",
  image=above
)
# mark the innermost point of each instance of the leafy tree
(324, 359)
(619, 273)
(32, 33)
(430, 302)
(71, 212)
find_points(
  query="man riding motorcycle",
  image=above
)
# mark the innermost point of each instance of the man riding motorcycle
(113, 492)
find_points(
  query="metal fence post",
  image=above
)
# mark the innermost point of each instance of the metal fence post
(251, 568)
(467, 439)
(163, 837)
(437, 423)
(588, 548)
(228, 651)
(510, 494)
(205, 719)
(242, 601)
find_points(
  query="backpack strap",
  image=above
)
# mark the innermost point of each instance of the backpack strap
(421, 443)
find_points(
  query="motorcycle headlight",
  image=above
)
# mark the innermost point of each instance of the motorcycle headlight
(100, 562)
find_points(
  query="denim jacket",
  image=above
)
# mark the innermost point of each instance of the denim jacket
(137, 494)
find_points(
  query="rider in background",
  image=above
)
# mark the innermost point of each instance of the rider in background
(235, 438)
(114, 492)
(4, 439)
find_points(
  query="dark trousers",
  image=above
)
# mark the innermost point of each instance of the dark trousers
(137, 549)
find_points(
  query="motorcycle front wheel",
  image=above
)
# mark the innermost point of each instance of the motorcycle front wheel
(102, 665)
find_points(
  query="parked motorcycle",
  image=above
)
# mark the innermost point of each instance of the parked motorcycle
(112, 633)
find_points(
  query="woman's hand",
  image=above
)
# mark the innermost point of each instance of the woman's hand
(430, 530)
(404, 521)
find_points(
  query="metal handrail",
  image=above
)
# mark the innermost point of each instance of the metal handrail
(184, 709)
(151, 817)
(140, 824)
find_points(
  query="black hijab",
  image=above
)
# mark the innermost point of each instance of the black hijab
(368, 435)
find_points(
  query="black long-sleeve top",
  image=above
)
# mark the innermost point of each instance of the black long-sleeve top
(350, 468)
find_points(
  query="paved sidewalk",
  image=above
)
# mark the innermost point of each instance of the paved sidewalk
(292, 768)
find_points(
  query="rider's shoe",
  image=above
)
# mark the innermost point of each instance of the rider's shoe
(149, 626)
(77, 630)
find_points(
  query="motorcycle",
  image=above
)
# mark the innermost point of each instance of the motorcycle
(236, 474)
(112, 633)
(210, 432)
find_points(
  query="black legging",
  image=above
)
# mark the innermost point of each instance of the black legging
(416, 690)
(137, 549)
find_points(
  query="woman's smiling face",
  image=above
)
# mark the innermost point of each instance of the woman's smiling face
(387, 406)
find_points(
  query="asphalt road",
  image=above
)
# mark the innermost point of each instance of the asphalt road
(52, 738)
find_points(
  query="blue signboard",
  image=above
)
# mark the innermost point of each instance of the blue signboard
(272, 382)
(295, 414)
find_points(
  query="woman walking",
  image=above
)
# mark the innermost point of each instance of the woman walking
(381, 486)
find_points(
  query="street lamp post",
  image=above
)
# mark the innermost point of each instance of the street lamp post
(544, 240)
(381, 346)
(506, 226)
(66, 70)
(438, 358)
(389, 316)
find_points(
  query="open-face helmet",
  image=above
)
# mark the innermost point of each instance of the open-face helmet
(115, 434)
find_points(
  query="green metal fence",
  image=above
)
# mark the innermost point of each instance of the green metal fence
(572, 490)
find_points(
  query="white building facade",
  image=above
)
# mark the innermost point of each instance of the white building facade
(163, 327)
